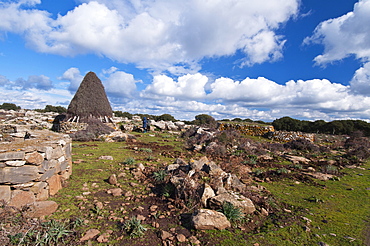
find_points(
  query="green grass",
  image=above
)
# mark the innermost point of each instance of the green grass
(338, 208)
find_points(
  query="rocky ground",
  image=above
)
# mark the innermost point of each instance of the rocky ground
(156, 189)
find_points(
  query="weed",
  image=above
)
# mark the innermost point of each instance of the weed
(251, 159)
(231, 212)
(296, 166)
(314, 199)
(160, 176)
(258, 172)
(330, 169)
(168, 190)
(129, 161)
(282, 170)
(147, 150)
(134, 228)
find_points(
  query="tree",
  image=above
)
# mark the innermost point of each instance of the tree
(9, 106)
(205, 120)
(165, 117)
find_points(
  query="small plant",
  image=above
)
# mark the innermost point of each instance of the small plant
(330, 169)
(147, 150)
(134, 228)
(258, 172)
(167, 190)
(231, 212)
(160, 176)
(282, 170)
(314, 199)
(129, 161)
(150, 158)
(252, 160)
(55, 231)
(296, 166)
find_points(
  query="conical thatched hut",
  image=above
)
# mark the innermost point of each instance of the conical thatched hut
(90, 101)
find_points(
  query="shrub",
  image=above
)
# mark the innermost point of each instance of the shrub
(231, 212)
(301, 144)
(160, 176)
(134, 228)
(330, 169)
(129, 161)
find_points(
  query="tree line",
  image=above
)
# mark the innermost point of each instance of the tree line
(335, 127)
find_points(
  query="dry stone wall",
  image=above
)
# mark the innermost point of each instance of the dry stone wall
(259, 130)
(251, 130)
(33, 169)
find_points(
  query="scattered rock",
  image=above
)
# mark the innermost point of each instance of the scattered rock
(181, 238)
(206, 219)
(41, 208)
(90, 234)
(106, 157)
(164, 235)
(112, 179)
(115, 191)
(239, 201)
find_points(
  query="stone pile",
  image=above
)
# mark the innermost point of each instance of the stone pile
(284, 136)
(33, 169)
(222, 187)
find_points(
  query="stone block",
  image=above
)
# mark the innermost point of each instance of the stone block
(38, 187)
(42, 195)
(15, 163)
(48, 174)
(41, 208)
(47, 150)
(21, 198)
(68, 150)
(34, 158)
(5, 193)
(19, 175)
(57, 152)
(55, 184)
(9, 156)
(64, 165)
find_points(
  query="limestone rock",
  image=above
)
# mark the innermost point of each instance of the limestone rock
(206, 219)
(34, 158)
(21, 198)
(41, 208)
(115, 192)
(19, 175)
(55, 184)
(5, 193)
(207, 193)
(112, 179)
(106, 157)
(90, 234)
(15, 163)
(239, 201)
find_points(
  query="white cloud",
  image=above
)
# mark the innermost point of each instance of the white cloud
(156, 34)
(188, 86)
(360, 83)
(120, 84)
(74, 76)
(344, 36)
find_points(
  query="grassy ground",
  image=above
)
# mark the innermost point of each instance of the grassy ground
(332, 212)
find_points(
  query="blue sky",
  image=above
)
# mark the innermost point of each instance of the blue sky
(262, 60)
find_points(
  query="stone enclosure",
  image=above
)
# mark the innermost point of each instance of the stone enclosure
(32, 169)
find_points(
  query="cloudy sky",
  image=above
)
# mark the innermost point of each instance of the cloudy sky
(262, 60)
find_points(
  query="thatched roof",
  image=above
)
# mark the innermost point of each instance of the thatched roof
(90, 101)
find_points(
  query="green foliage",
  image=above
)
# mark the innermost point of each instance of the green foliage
(330, 169)
(320, 126)
(56, 109)
(147, 150)
(205, 120)
(165, 117)
(231, 212)
(251, 160)
(9, 106)
(129, 161)
(122, 114)
(134, 228)
(160, 175)
(282, 170)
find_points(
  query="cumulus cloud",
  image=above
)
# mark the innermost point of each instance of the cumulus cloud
(120, 84)
(360, 83)
(344, 36)
(40, 82)
(190, 86)
(74, 76)
(156, 34)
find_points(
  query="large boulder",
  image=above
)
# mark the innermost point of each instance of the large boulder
(206, 219)
(239, 201)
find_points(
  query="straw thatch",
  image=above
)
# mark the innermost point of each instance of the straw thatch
(90, 101)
